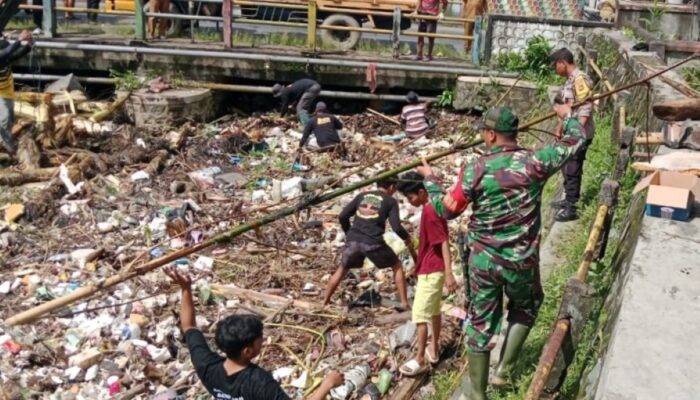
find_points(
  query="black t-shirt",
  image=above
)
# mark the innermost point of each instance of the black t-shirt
(251, 383)
(371, 210)
(292, 93)
(324, 127)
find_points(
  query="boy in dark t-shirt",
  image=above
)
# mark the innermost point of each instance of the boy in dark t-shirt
(240, 338)
(365, 236)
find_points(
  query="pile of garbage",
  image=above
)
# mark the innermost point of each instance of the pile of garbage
(117, 198)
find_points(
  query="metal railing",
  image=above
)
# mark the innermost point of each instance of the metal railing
(313, 21)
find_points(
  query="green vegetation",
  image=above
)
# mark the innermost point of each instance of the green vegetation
(446, 98)
(656, 12)
(20, 24)
(692, 77)
(533, 63)
(127, 80)
(600, 161)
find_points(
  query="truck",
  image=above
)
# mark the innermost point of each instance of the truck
(330, 13)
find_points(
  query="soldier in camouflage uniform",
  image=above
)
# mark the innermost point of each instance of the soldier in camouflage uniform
(504, 187)
(577, 89)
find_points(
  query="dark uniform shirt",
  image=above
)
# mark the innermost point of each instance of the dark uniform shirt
(371, 210)
(324, 127)
(8, 54)
(251, 383)
(292, 93)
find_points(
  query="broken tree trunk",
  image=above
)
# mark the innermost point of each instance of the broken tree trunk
(16, 178)
(677, 110)
(28, 153)
(100, 115)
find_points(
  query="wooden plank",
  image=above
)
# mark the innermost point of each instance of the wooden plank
(678, 110)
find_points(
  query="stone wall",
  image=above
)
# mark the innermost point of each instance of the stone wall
(478, 92)
(505, 33)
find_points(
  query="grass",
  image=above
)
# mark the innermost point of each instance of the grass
(600, 161)
(20, 24)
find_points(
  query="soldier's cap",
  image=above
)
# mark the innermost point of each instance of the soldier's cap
(277, 90)
(501, 120)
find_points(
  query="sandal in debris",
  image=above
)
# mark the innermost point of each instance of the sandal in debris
(432, 358)
(413, 368)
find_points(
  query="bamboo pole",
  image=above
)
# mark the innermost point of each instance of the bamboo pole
(549, 355)
(100, 115)
(614, 91)
(32, 314)
(377, 113)
(593, 237)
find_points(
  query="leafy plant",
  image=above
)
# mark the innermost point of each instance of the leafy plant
(653, 24)
(533, 62)
(127, 80)
(692, 77)
(446, 98)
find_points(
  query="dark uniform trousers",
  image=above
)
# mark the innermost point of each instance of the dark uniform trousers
(573, 172)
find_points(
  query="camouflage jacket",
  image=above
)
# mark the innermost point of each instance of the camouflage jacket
(578, 88)
(504, 187)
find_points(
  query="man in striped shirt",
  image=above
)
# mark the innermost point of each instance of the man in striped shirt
(413, 119)
(8, 54)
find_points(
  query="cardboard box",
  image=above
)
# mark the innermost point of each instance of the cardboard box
(671, 194)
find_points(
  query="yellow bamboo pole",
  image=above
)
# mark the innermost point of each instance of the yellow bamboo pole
(593, 237)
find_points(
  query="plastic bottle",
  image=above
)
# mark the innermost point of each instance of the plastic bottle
(385, 378)
(354, 379)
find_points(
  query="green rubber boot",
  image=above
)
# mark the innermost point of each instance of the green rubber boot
(515, 337)
(478, 374)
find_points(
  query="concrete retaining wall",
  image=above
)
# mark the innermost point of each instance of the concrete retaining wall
(506, 33)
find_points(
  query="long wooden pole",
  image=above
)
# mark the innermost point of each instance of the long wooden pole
(92, 288)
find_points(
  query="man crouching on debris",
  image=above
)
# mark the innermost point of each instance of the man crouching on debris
(8, 54)
(302, 92)
(505, 189)
(433, 269)
(365, 237)
(324, 127)
(240, 337)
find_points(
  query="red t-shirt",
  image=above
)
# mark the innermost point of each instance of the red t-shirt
(433, 231)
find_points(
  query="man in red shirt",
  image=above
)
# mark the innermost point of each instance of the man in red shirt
(434, 270)
(431, 8)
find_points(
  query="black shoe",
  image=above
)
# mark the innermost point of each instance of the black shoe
(559, 204)
(566, 214)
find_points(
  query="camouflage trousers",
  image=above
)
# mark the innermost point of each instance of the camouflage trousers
(488, 282)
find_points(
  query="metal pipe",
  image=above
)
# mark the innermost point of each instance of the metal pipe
(273, 23)
(230, 88)
(140, 50)
(549, 356)
(184, 16)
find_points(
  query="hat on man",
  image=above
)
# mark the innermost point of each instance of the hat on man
(412, 97)
(320, 106)
(277, 90)
(501, 120)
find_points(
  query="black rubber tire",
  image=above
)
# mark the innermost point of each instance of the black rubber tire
(344, 40)
(175, 25)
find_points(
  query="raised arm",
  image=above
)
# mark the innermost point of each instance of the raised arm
(549, 159)
(187, 314)
(448, 205)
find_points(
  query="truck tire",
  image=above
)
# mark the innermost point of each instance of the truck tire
(345, 40)
(174, 25)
